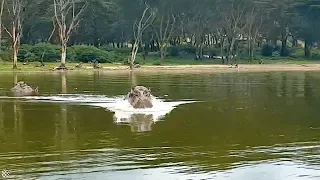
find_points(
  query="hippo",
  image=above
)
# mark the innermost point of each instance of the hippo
(21, 88)
(140, 97)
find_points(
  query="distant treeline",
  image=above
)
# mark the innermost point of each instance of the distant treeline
(119, 29)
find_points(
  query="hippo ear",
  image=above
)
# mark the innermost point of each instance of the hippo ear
(149, 89)
(132, 88)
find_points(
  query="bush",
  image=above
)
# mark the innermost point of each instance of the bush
(49, 51)
(173, 51)
(29, 56)
(267, 50)
(188, 49)
(89, 53)
(157, 63)
(52, 53)
(5, 55)
(284, 52)
(123, 51)
(211, 51)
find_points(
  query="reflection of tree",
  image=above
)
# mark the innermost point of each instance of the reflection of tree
(308, 94)
(1, 120)
(63, 83)
(15, 79)
(133, 78)
(64, 134)
(18, 122)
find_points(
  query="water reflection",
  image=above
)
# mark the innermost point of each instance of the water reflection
(244, 126)
(138, 122)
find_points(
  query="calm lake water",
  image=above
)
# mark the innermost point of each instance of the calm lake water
(242, 126)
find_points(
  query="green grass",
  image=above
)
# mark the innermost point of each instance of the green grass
(153, 61)
(34, 66)
(190, 61)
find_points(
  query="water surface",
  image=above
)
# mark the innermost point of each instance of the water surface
(216, 126)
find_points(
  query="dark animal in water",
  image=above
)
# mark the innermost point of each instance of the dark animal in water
(140, 97)
(21, 88)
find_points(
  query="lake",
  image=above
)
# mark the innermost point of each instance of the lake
(222, 126)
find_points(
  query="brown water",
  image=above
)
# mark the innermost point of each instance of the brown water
(244, 126)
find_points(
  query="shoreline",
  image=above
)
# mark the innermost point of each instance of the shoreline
(186, 68)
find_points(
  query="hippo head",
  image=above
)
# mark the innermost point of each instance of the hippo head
(21, 88)
(140, 97)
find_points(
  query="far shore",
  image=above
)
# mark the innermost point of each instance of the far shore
(225, 68)
(173, 68)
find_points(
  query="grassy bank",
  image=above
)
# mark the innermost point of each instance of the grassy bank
(157, 63)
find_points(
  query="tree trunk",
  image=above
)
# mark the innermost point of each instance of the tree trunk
(134, 52)
(221, 49)
(230, 50)
(307, 49)
(162, 52)
(15, 48)
(283, 51)
(294, 42)
(63, 55)
(253, 49)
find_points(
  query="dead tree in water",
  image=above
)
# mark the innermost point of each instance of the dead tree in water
(61, 11)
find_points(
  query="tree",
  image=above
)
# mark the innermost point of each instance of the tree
(233, 23)
(306, 22)
(254, 22)
(66, 24)
(139, 28)
(15, 8)
(1, 13)
(164, 27)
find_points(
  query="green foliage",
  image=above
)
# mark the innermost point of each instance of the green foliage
(85, 53)
(267, 50)
(182, 49)
(211, 51)
(77, 53)
(285, 52)
(122, 51)
(50, 52)
(173, 51)
(5, 55)
(157, 63)
(189, 49)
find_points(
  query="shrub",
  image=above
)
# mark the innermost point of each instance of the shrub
(188, 49)
(285, 52)
(52, 53)
(29, 56)
(89, 53)
(267, 50)
(49, 51)
(5, 55)
(173, 51)
(124, 51)
(157, 63)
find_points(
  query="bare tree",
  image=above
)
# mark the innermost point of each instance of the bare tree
(15, 28)
(139, 27)
(1, 14)
(164, 28)
(66, 26)
(254, 22)
(233, 23)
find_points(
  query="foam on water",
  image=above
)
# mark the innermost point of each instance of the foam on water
(124, 113)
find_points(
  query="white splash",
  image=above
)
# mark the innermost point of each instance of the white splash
(140, 120)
